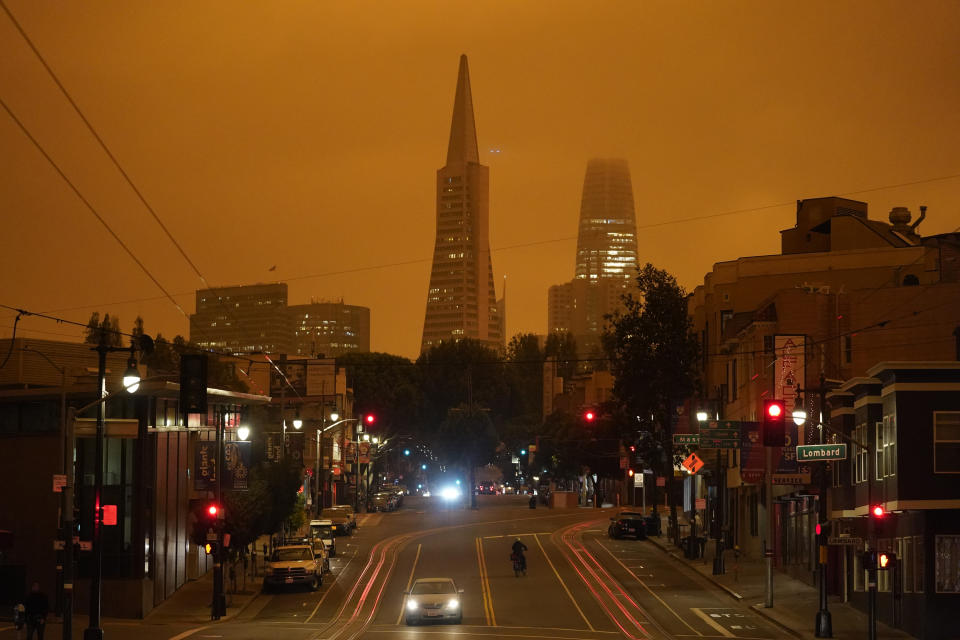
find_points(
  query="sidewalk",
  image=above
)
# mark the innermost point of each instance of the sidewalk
(191, 602)
(795, 603)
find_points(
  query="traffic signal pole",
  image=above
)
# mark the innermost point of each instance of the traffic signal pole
(218, 606)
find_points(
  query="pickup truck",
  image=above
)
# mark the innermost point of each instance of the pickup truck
(293, 564)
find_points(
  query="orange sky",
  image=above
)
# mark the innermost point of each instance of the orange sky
(306, 135)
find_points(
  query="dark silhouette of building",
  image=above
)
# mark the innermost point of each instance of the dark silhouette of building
(461, 300)
(329, 328)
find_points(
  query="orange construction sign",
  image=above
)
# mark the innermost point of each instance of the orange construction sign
(693, 463)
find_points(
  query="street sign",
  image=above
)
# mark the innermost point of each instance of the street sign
(86, 545)
(821, 452)
(693, 463)
(638, 480)
(720, 434)
(686, 438)
(58, 545)
(59, 482)
(700, 503)
(845, 541)
(661, 481)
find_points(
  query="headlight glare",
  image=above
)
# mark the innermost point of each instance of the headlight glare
(411, 605)
(453, 604)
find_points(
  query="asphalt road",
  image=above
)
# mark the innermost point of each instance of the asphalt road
(579, 584)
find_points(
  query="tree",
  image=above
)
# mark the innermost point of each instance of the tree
(562, 346)
(103, 332)
(654, 356)
(387, 386)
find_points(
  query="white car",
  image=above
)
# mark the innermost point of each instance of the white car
(324, 529)
(433, 599)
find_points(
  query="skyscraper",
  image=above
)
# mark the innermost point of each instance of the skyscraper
(606, 255)
(461, 300)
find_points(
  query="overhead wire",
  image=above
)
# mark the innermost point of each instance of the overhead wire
(100, 141)
(89, 206)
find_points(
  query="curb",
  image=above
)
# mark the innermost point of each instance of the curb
(759, 608)
(673, 554)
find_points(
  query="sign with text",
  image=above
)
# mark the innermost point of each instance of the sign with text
(686, 439)
(845, 541)
(752, 455)
(821, 452)
(236, 462)
(700, 504)
(59, 482)
(720, 434)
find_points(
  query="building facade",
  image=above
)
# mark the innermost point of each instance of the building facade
(259, 319)
(461, 299)
(151, 474)
(329, 329)
(844, 294)
(243, 319)
(606, 259)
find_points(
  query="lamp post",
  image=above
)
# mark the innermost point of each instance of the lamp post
(131, 382)
(320, 488)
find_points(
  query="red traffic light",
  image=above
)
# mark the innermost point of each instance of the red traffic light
(369, 418)
(589, 416)
(819, 529)
(212, 510)
(110, 514)
(775, 409)
(632, 448)
(877, 511)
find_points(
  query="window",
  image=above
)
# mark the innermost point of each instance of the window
(878, 448)
(947, 564)
(861, 464)
(946, 441)
(847, 349)
(920, 564)
(890, 445)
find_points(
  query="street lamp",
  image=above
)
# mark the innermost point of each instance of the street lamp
(131, 382)
(799, 417)
(702, 416)
(243, 432)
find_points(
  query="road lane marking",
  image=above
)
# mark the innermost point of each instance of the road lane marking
(403, 602)
(517, 535)
(562, 583)
(485, 586)
(188, 632)
(713, 623)
(329, 589)
(645, 586)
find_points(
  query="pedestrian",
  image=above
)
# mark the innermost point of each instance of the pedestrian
(37, 606)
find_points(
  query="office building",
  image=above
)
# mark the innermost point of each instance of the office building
(461, 300)
(329, 329)
(242, 319)
(606, 257)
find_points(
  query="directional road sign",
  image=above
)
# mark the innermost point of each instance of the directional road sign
(807, 452)
(686, 438)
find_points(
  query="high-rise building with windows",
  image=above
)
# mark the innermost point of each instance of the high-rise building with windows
(461, 300)
(329, 329)
(606, 258)
(256, 318)
(242, 319)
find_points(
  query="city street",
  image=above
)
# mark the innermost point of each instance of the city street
(580, 584)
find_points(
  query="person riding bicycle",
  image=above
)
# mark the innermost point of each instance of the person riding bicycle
(518, 549)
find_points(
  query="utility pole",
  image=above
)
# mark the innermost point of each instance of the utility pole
(768, 507)
(718, 565)
(93, 631)
(219, 603)
(69, 426)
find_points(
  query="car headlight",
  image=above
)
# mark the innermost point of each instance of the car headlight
(412, 605)
(453, 604)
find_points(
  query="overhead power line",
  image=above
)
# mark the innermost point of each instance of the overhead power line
(103, 145)
(89, 206)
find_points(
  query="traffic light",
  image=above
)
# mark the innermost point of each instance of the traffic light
(774, 425)
(369, 419)
(406, 452)
(193, 383)
(589, 415)
(886, 560)
(877, 511)
(870, 560)
(210, 548)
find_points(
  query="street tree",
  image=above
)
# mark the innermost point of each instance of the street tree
(653, 355)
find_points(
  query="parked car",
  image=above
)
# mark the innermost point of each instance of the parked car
(351, 514)
(340, 521)
(293, 564)
(433, 599)
(628, 523)
(383, 501)
(323, 529)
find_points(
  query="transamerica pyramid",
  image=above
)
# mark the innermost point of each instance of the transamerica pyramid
(461, 300)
